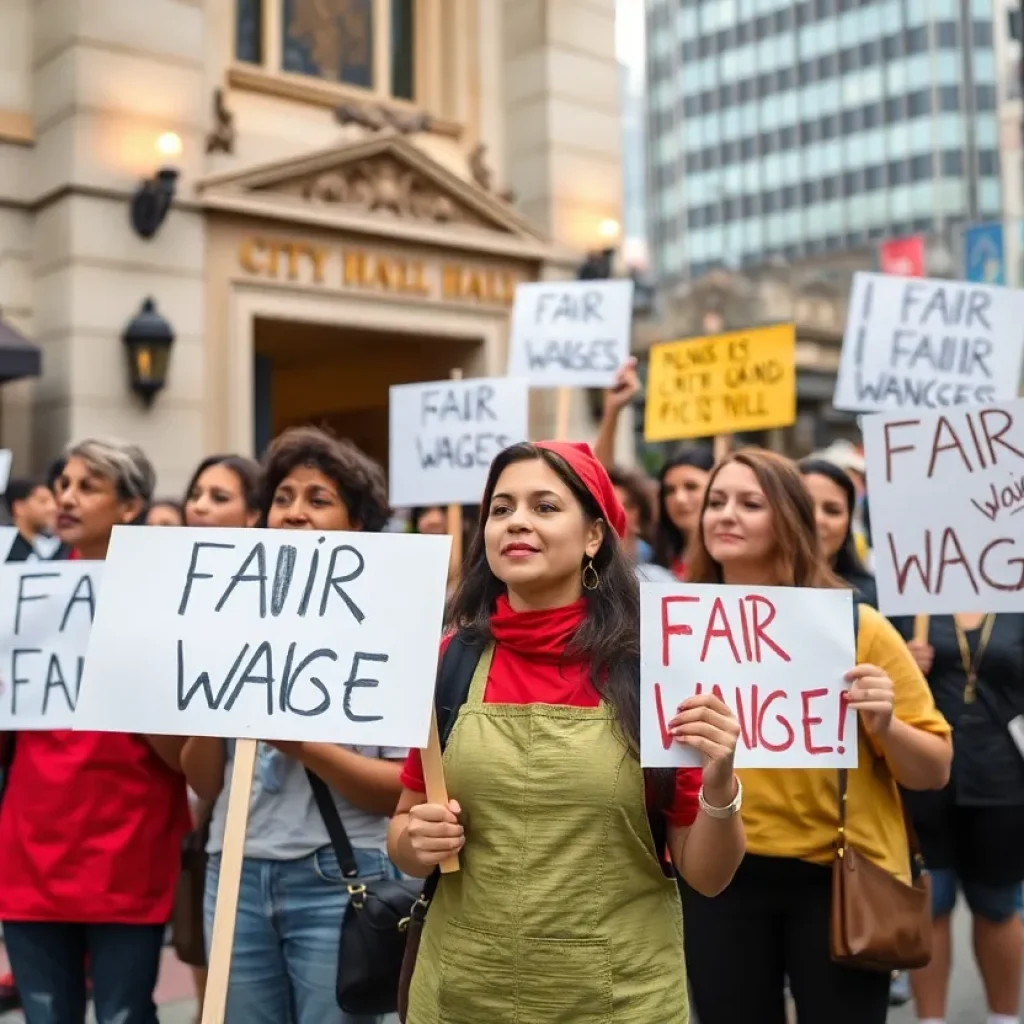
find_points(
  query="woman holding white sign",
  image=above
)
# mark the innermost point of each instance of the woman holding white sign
(225, 491)
(758, 528)
(285, 959)
(563, 908)
(91, 823)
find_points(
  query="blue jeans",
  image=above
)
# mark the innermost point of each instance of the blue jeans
(285, 960)
(996, 903)
(48, 961)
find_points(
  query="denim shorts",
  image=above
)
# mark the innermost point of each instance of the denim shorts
(995, 903)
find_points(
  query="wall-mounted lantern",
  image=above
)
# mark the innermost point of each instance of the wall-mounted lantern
(148, 339)
(154, 196)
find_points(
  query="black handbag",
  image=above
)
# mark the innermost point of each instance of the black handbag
(374, 926)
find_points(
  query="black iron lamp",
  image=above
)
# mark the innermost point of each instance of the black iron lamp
(148, 339)
(153, 197)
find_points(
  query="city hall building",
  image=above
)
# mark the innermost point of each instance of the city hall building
(221, 219)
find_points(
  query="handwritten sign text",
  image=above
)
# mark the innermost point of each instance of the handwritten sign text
(267, 634)
(776, 656)
(946, 492)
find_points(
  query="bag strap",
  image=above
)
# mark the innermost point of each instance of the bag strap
(454, 677)
(914, 845)
(335, 829)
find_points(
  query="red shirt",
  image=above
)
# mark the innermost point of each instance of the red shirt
(514, 679)
(91, 826)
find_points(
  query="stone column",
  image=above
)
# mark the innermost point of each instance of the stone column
(109, 78)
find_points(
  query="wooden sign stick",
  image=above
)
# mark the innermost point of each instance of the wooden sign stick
(721, 445)
(921, 623)
(563, 408)
(228, 881)
(433, 766)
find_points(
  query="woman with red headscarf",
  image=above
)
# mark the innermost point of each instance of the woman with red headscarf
(562, 909)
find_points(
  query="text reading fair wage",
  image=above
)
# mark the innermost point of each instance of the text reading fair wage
(777, 656)
(46, 613)
(267, 634)
(721, 384)
(947, 490)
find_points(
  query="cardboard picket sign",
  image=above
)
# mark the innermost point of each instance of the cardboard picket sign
(49, 609)
(570, 334)
(264, 634)
(777, 656)
(947, 493)
(721, 384)
(917, 343)
(268, 634)
(444, 436)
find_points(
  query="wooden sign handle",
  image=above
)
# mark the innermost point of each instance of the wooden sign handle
(228, 881)
(433, 767)
(437, 791)
(563, 409)
(722, 445)
(921, 629)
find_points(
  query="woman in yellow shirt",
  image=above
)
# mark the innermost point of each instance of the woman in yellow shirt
(757, 527)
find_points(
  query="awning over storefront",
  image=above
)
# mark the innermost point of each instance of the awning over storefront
(18, 356)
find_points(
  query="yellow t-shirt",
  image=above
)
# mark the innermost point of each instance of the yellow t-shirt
(795, 812)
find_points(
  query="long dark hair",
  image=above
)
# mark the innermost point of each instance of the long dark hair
(669, 542)
(609, 637)
(847, 563)
(799, 560)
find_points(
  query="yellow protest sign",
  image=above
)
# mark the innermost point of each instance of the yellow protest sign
(721, 384)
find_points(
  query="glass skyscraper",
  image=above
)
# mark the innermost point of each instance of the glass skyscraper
(789, 129)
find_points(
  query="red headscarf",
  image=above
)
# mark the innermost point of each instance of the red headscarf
(583, 462)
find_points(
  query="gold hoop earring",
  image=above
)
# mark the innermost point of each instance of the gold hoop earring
(591, 579)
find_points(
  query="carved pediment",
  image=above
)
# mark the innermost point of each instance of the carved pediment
(384, 184)
(386, 176)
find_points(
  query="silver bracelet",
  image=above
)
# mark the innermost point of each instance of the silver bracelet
(721, 813)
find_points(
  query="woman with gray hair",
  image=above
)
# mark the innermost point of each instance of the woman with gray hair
(91, 824)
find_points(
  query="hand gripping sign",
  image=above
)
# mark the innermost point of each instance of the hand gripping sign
(776, 656)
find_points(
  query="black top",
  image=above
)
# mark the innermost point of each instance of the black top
(22, 550)
(864, 584)
(988, 770)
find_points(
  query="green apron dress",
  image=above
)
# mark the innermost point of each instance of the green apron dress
(560, 913)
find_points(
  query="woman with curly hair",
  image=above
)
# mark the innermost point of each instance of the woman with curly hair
(293, 896)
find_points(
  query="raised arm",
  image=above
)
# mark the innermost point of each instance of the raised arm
(624, 389)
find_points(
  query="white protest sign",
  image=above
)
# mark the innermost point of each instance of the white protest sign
(267, 634)
(916, 343)
(775, 655)
(47, 615)
(444, 436)
(946, 492)
(6, 458)
(570, 334)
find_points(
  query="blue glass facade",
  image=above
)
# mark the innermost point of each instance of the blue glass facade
(781, 128)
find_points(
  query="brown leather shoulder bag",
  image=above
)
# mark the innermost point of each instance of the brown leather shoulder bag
(879, 923)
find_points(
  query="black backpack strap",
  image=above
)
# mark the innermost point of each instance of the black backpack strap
(335, 829)
(8, 760)
(454, 678)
